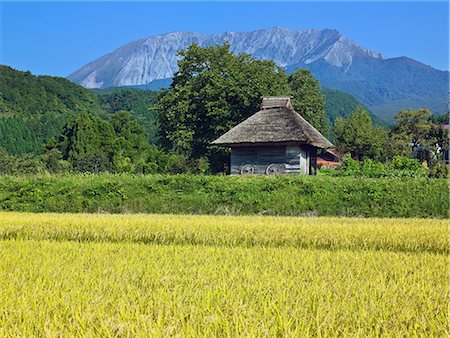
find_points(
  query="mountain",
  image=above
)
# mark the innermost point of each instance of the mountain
(383, 84)
(340, 104)
(387, 85)
(34, 109)
(141, 62)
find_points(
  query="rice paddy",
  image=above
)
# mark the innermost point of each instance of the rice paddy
(179, 275)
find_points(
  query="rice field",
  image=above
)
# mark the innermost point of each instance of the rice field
(179, 275)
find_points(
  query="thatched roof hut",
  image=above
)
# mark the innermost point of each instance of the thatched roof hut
(276, 122)
(276, 135)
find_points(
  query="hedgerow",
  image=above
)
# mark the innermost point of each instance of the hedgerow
(202, 194)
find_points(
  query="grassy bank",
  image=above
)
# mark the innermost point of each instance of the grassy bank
(191, 194)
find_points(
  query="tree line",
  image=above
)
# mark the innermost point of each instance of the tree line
(212, 91)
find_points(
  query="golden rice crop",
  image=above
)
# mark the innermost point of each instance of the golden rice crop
(408, 235)
(153, 275)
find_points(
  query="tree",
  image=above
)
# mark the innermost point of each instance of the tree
(26, 164)
(7, 162)
(138, 102)
(358, 136)
(87, 143)
(307, 99)
(440, 133)
(441, 136)
(54, 162)
(412, 130)
(130, 142)
(213, 91)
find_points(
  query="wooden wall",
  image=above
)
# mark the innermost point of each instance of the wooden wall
(291, 159)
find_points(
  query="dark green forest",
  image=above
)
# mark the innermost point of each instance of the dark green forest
(140, 104)
(49, 124)
(340, 104)
(34, 109)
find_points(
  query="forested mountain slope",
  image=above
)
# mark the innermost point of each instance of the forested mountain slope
(33, 109)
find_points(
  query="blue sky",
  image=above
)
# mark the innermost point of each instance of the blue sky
(57, 38)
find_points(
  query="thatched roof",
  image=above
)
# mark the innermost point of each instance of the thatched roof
(276, 122)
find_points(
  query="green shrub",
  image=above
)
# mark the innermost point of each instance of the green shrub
(399, 166)
(439, 170)
(203, 194)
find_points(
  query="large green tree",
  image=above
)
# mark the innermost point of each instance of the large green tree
(414, 128)
(87, 143)
(213, 91)
(307, 99)
(130, 143)
(358, 136)
(136, 101)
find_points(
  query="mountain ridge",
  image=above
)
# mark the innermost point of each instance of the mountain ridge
(334, 59)
(284, 46)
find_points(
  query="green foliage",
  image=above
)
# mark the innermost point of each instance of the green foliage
(140, 103)
(358, 136)
(90, 144)
(283, 195)
(413, 129)
(399, 166)
(151, 160)
(130, 142)
(213, 91)
(338, 104)
(440, 119)
(87, 142)
(54, 162)
(307, 99)
(25, 164)
(33, 109)
(415, 135)
(405, 163)
(439, 170)
(349, 166)
(17, 137)
(441, 136)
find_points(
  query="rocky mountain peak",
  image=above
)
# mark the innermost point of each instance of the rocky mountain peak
(142, 61)
(385, 85)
